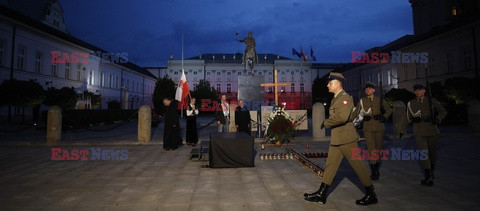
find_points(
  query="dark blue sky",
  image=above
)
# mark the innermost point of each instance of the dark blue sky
(150, 30)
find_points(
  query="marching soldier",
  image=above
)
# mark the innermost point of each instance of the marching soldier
(375, 113)
(421, 111)
(344, 138)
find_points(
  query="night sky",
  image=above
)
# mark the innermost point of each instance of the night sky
(150, 30)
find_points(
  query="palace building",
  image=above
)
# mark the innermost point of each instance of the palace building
(222, 71)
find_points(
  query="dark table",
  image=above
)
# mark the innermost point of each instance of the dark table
(231, 150)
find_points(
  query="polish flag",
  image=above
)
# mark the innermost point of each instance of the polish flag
(303, 55)
(182, 91)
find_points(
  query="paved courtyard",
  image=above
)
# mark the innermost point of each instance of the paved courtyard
(154, 179)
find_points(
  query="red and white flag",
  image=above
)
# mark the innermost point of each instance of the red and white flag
(182, 90)
(303, 55)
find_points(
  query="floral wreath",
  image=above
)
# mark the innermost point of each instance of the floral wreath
(281, 126)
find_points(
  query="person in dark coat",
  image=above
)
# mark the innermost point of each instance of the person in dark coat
(171, 132)
(192, 112)
(242, 118)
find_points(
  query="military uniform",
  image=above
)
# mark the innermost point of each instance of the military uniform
(344, 137)
(373, 126)
(425, 129)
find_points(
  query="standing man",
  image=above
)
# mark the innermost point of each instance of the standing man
(171, 131)
(242, 118)
(222, 115)
(344, 139)
(375, 114)
(192, 113)
(425, 128)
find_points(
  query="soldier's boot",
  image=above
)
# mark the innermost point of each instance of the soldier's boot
(319, 196)
(428, 181)
(369, 198)
(374, 169)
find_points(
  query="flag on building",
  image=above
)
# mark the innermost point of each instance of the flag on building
(295, 52)
(303, 55)
(182, 91)
(312, 54)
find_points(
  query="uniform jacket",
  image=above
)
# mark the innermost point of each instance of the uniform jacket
(372, 124)
(422, 111)
(343, 131)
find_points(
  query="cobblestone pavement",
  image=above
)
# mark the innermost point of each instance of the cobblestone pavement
(154, 179)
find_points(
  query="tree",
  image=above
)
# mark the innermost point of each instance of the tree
(65, 97)
(95, 100)
(21, 93)
(164, 87)
(204, 91)
(460, 90)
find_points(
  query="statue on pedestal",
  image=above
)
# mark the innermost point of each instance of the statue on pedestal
(250, 55)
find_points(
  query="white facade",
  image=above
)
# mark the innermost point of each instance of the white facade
(32, 60)
(222, 71)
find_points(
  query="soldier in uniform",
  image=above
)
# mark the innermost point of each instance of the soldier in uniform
(425, 127)
(344, 138)
(374, 115)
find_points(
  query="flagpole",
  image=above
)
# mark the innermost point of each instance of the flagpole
(181, 111)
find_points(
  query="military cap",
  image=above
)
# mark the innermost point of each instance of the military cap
(418, 86)
(370, 85)
(337, 76)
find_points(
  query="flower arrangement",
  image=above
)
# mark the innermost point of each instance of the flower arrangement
(280, 127)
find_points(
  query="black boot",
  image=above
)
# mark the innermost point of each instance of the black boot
(375, 174)
(319, 196)
(428, 181)
(369, 198)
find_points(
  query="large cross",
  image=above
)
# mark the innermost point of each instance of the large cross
(276, 84)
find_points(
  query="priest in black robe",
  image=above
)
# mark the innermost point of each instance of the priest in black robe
(242, 118)
(171, 132)
(192, 113)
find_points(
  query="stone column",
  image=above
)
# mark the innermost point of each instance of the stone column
(473, 115)
(231, 126)
(318, 116)
(144, 124)
(398, 116)
(54, 125)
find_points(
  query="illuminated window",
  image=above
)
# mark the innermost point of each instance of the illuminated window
(90, 77)
(219, 88)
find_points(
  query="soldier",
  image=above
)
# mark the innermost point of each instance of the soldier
(344, 138)
(425, 127)
(374, 115)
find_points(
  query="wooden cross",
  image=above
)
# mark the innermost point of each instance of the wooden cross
(276, 84)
